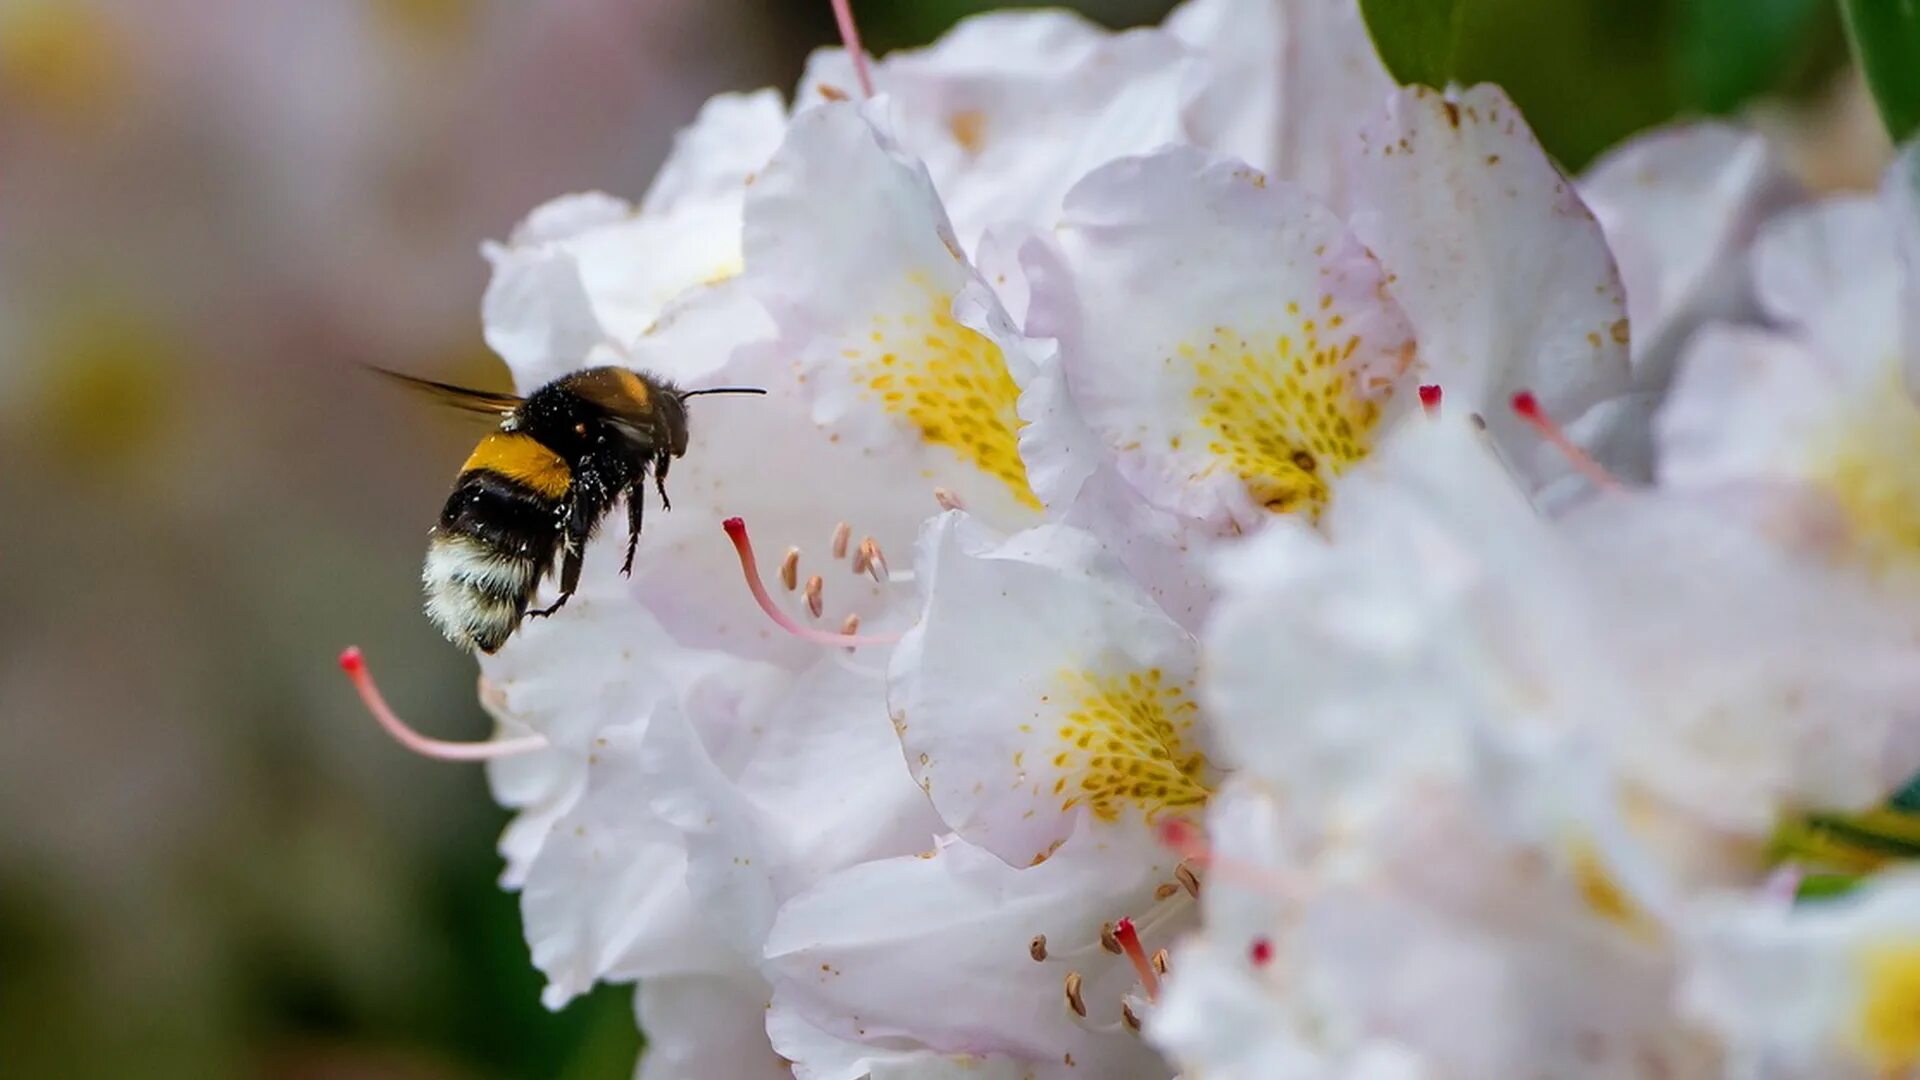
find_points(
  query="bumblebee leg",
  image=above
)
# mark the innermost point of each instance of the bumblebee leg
(636, 505)
(579, 526)
(660, 479)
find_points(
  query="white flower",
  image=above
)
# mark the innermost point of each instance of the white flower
(1108, 485)
(1829, 989)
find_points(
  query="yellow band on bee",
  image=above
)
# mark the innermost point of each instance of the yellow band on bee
(523, 459)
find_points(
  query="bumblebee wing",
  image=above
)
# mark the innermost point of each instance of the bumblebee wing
(460, 397)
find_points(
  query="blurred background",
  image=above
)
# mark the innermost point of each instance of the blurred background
(211, 863)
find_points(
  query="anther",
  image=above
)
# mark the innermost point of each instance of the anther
(947, 499)
(850, 626)
(842, 534)
(1189, 880)
(355, 665)
(1127, 1016)
(1430, 399)
(876, 563)
(1107, 940)
(1037, 948)
(815, 602)
(850, 37)
(1527, 408)
(1166, 889)
(790, 569)
(860, 558)
(1160, 961)
(1074, 1001)
(750, 568)
(1260, 952)
(1129, 939)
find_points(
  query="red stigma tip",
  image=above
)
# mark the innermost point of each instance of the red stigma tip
(1176, 833)
(750, 569)
(355, 665)
(1527, 407)
(1129, 939)
(1430, 399)
(1260, 952)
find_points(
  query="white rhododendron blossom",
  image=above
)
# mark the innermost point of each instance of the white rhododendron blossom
(1242, 570)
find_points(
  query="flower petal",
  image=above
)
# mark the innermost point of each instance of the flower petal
(1041, 686)
(849, 249)
(1502, 270)
(1286, 85)
(1223, 336)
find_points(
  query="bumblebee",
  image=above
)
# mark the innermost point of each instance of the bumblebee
(536, 490)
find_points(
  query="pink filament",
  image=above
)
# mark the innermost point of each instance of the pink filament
(737, 532)
(1179, 836)
(355, 665)
(850, 37)
(1527, 407)
(1129, 939)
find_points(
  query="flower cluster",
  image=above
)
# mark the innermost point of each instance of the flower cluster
(1259, 574)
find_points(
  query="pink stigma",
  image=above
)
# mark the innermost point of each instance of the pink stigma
(850, 37)
(355, 665)
(737, 532)
(1527, 408)
(1129, 940)
(1260, 952)
(1430, 399)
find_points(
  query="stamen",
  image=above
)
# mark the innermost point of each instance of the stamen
(1129, 939)
(1074, 1000)
(1037, 948)
(1127, 1016)
(1189, 880)
(737, 532)
(947, 499)
(1430, 400)
(1527, 407)
(860, 558)
(876, 559)
(842, 533)
(355, 665)
(1107, 940)
(815, 603)
(1166, 889)
(850, 37)
(1260, 952)
(833, 93)
(1160, 961)
(1182, 838)
(790, 569)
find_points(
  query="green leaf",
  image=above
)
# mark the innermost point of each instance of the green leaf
(1418, 40)
(1730, 50)
(1886, 42)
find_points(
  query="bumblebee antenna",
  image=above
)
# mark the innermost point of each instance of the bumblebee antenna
(685, 394)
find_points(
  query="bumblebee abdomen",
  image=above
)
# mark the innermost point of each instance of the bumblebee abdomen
(495, 541)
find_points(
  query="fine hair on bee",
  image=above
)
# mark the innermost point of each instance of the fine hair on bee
(535, 490)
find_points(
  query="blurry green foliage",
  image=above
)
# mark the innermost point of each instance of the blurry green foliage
(1886, 39)
(1591, 72)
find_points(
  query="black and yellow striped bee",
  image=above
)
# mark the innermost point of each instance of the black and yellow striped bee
(538, 487)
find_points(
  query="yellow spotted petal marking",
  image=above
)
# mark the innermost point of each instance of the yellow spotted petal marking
(1887, 1029)
(1873, 472)
(1283, 411)
(1123, 743)
(949, 381)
